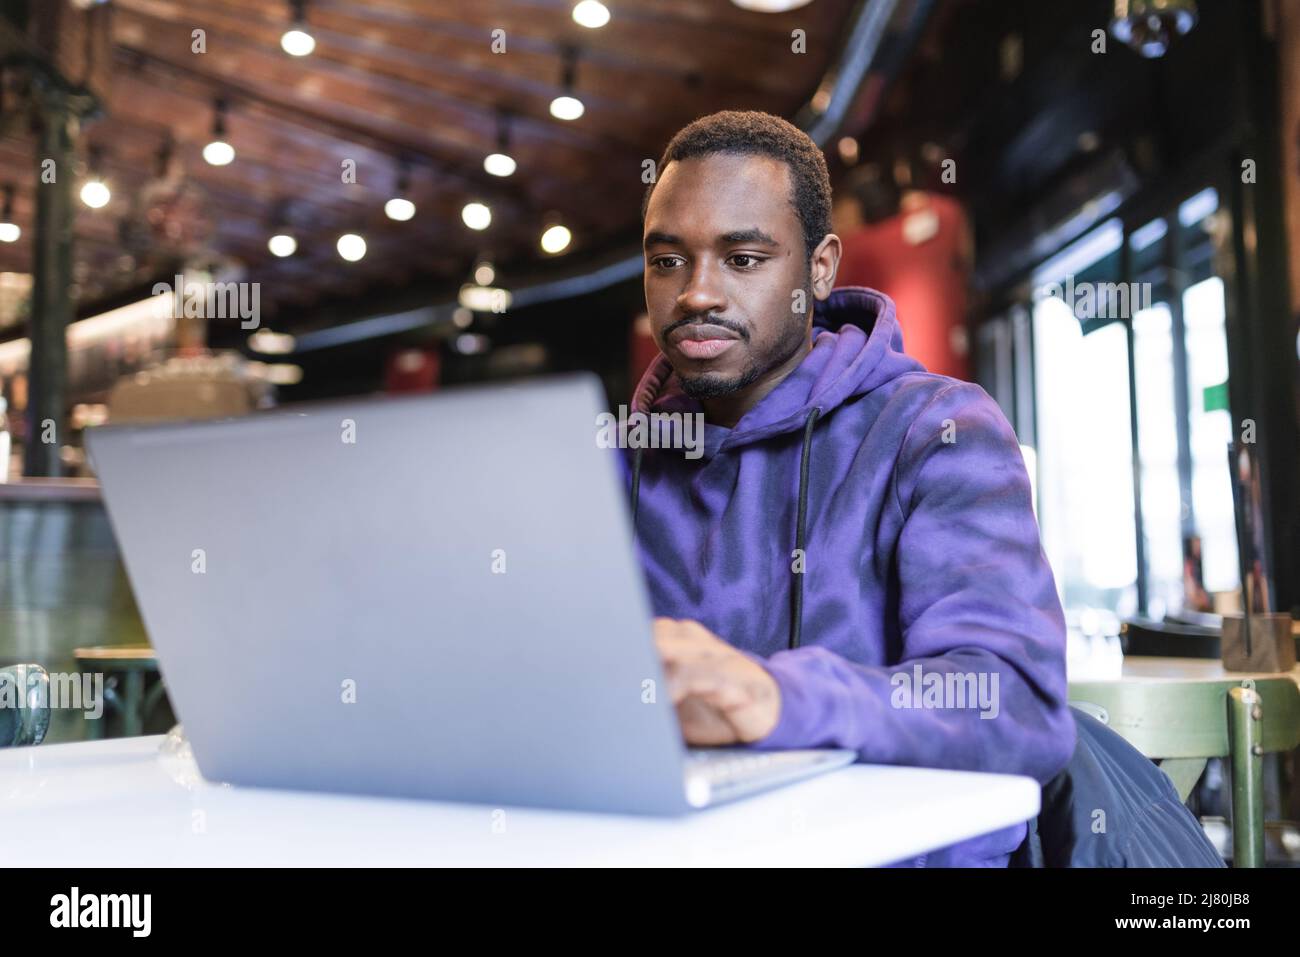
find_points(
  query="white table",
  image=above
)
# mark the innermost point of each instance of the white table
(120, 803)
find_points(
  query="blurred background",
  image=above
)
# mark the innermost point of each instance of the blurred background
(1091, 208)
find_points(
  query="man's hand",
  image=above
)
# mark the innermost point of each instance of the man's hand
(721, 696)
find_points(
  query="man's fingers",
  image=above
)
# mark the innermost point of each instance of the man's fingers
(687, 645)
(703, 724)
(707, 680)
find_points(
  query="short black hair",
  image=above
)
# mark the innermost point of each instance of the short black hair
(751, 132)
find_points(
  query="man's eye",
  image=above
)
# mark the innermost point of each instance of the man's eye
(663, 261)
(751, 262)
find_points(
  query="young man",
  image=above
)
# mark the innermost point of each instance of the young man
(853, 561)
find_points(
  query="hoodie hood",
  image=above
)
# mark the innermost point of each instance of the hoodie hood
(857, 347)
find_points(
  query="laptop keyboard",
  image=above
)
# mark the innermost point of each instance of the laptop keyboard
(721, 766)
(719, 774)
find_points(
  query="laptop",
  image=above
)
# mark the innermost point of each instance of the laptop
(421, 596)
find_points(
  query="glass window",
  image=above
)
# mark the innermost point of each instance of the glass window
(1210, 432)
(1084, 452)
(1090, 324)
(1157, 429)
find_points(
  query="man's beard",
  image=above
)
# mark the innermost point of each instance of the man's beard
(713, 385)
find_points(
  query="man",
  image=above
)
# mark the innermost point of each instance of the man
(853, 561)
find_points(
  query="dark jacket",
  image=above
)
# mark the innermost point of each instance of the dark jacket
(1112, 807)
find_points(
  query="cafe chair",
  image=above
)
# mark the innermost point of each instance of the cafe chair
(24, 705)
(1111, 807)
(1183, 723)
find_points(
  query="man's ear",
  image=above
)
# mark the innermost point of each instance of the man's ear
(825, 261)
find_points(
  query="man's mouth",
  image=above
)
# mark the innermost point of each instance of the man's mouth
(704, 341)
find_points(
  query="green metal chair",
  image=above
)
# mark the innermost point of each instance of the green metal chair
(24, 705)
(1182, 712)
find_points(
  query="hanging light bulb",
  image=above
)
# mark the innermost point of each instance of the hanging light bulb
(297, 41)
(219, 152)
(271, 343)
(566, 106)
(95, 192)
(9, 231)
(771, 6)
(476, 216)
(282, 245)
(501, 163)
(352, 247)
(591, 14)
(556, 239)
(400, 207)
(282, 242)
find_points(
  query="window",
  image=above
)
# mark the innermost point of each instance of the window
(1124, 352)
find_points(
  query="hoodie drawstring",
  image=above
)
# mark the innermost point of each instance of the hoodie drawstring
(801, 533)
(801, 523)
(636, 484)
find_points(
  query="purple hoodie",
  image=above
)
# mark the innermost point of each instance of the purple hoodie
(922, 569)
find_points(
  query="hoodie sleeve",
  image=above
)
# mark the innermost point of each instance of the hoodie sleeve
(978, 609)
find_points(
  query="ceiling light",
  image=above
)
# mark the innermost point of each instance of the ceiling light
(352, 247)
(556, 239)
(96, 194)
(271, 343)
(296, 41)
(771, 6)
(399, 208)
(9, 231)
(283, 373)
(566, 106)
(484, 298)
(219, 152)
(501, 163)
(282, 245)
(591, 14)
(476, 216)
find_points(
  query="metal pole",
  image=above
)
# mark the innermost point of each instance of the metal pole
(52, 308)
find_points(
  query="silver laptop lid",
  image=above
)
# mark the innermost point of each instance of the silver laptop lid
(433, 596)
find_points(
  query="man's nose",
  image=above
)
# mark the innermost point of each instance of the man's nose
(703, 292)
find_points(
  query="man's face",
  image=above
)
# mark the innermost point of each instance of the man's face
(725, 255)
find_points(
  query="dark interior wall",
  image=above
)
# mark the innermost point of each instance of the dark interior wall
(587, 333)
(1073, 124)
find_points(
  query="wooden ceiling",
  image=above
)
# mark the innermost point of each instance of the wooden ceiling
(393, 81)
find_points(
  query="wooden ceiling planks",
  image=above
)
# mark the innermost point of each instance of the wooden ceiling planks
(415, 80)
